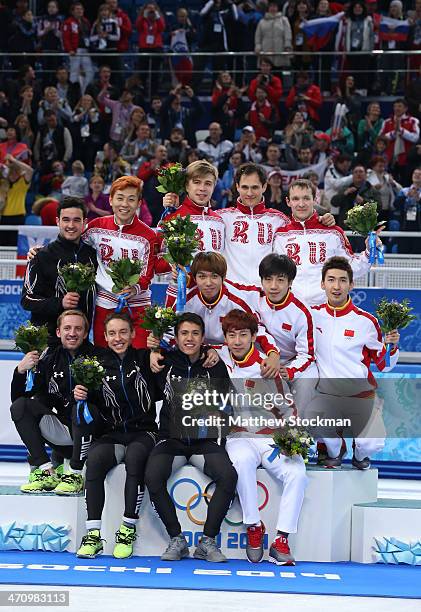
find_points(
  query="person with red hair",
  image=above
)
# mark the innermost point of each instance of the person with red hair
(118, 236)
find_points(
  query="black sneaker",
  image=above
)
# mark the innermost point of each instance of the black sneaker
(364, 464)
(331, 462)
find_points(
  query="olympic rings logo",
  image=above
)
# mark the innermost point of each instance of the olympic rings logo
(197, 497)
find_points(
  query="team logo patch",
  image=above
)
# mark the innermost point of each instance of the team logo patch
(286, 326)
(249, 384)
(349, 333)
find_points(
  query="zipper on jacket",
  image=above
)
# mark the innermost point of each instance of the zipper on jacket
(124, 391)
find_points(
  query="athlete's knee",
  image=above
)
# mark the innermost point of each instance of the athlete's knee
(156, 475)
(17, 409)
(101, 459)
(227, 478)
(136, 458)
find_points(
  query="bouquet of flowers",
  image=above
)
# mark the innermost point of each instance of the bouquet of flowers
(89, 372)
(363, 220)
(394, 315)
(292, 442)
(181, 243)
(31, 338)
(159, 321)
(78, 277)
(171, 179)
(124, 273)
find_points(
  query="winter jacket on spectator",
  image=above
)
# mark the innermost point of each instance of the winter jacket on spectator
(312, 105)
(216, 30)
(408, 135)
(150, 32)
(75, 34)
(273, 34)
(216, 153)
(263, 128)
(125, 26)
(53, 144)
(272, 84)
(49, 32)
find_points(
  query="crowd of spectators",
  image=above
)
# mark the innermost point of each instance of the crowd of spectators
(74, 118)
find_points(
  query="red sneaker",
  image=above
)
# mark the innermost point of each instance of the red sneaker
(280, 553)
(254, 548)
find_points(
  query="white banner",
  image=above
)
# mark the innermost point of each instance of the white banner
(288, 176)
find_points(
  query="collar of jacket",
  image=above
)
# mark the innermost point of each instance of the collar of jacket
(250, 359)
(192, 208)
(223, 291)
(131, 224)
(247, 210)
(287, 300)
(310, 223)
(340, 311)
(70, 245)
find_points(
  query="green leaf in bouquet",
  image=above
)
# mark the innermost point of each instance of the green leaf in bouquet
(363, 218)
(171, 179)
(29, 337)
(133, 279)
(394, 314)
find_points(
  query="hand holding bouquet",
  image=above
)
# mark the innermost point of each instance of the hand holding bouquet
(291, 442)
(30, 338)
(181, 243)
(394, 315)
(78, 277)
(363, 220)
(124, 274)
(159, 321)
(89, 372)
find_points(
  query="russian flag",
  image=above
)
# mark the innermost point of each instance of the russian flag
(320, 31)
(182, 64)
(393, 29)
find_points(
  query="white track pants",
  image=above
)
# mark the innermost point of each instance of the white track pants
(246, 455)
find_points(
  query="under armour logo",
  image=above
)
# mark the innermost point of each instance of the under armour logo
(57, 374)
(107, 378)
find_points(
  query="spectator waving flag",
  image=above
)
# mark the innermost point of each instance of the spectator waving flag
(394, 29)
(321, 31)
(182, 64)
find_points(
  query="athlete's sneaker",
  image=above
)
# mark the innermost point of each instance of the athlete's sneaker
(40, 481)
(280, 553)
(91, 545)
(208, 550)
(331, 462)
(71, 484)
(323, 458)
(124, 538)
(177, 549)
(254, 548)
(364, 464)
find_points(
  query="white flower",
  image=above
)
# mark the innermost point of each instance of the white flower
(158, 315)
(294, 433)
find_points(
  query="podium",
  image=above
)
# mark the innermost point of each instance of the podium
(324, 529)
